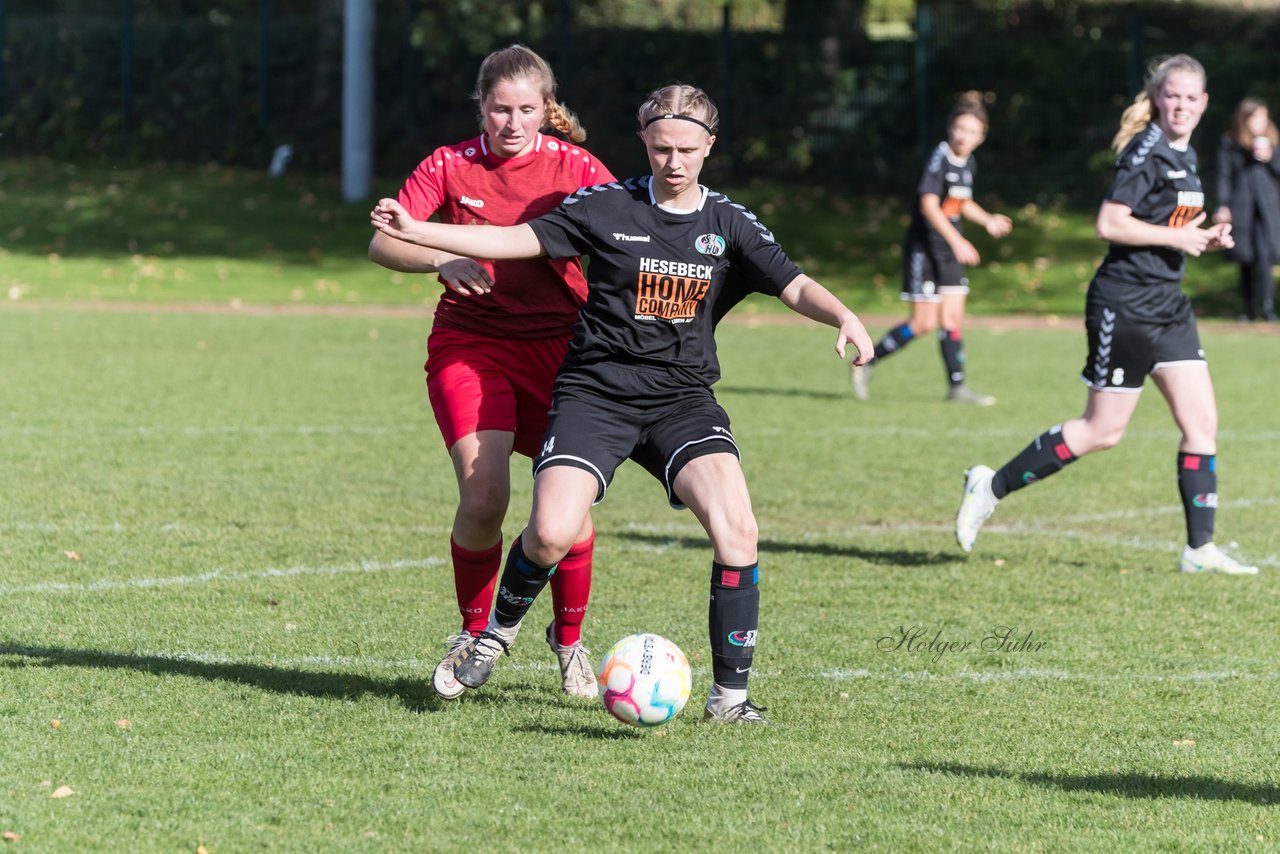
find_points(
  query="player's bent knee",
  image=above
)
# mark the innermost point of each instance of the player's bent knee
(545, 542)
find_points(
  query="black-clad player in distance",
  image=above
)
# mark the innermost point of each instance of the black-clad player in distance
(636, 382)
(936, 253)
(1138, 320)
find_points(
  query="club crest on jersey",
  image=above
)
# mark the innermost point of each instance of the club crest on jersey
(710, 244)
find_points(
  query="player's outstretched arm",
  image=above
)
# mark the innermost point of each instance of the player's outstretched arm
(1117, 224)
(997, 225)
(462, 275)
(496, 242)
(807, 297)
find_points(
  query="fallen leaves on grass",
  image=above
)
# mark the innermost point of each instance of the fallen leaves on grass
(124, 723)
(74, 555)
(55, 723)
(63, 792)
(1185, 742)
(10, 836)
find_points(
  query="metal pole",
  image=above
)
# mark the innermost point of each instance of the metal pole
(924, 30)
(126, 73)
(264, 67)
(412, 69)
(4, 51)
(357, 100)
(726, 69)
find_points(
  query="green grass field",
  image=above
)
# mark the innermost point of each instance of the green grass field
(224, 580)
(224, 583)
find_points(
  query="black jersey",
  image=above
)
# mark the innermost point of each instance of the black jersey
(655, 275)
(1161, 185)
(951, 180)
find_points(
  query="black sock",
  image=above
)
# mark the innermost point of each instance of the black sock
(522, 581)
(894, 340)
(1198, 486)
(733, 618)
(1043, 457)
(952, 347)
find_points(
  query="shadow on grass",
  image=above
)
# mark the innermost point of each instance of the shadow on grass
(598, 732)
(414, 694)
(782, 392)
(879, 557)
(1126, 785)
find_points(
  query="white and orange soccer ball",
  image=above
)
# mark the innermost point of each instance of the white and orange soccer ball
(644, 680)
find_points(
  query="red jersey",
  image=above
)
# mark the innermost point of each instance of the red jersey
(466, 183)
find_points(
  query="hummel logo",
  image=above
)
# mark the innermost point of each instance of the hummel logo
(475, 203)
(631, 238)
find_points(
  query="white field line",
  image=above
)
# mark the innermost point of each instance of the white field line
(220, 530)
(213, 575)
(195, 431)
(418, 665)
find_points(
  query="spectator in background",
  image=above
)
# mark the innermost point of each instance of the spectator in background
(1249, 199)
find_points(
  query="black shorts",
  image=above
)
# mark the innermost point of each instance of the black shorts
(605, 414)
(1134, 330)
(929, 271)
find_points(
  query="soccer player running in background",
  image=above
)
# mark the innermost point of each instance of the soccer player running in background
(936, 253)
(637, 380)
(492, 355)
(1138, 320)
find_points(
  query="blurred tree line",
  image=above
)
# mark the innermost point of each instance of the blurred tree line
(839, 92)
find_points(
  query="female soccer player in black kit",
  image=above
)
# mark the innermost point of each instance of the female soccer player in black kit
(637, 379)
(1138, 320)
(936, 253)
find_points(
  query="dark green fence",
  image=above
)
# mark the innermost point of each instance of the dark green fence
(181, 80)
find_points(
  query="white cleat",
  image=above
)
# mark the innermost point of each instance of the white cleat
(860, 380)
(1210, 558)
(975, 506)
(443, 682)
(745, 712)
(964, 394)
(577, 676)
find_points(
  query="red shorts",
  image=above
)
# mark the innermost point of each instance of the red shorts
(479, 383)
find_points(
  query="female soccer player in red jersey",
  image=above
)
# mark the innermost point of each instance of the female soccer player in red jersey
(936, 253)
(637, 380)
(492, 354)
(1138, 319)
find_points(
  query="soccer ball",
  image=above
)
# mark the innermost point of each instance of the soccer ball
(644, 680)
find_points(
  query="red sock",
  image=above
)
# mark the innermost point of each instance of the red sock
(474, 576)
(570, 587)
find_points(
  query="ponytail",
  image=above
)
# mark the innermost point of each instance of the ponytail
(563, 119)
(1136, 117)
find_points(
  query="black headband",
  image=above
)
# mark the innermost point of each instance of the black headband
(700, 124)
